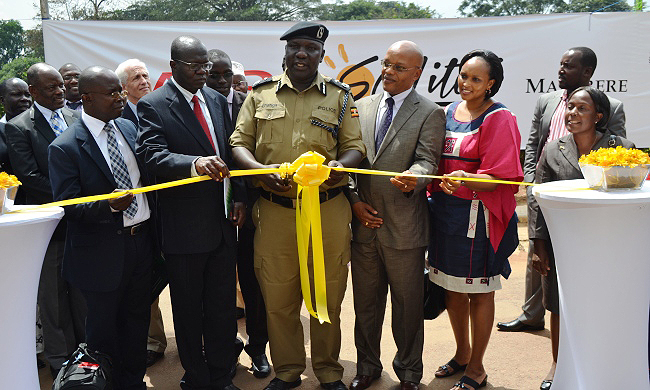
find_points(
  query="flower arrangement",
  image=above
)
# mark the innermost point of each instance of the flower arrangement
(8, 181)
(619, 156)
(615, 168)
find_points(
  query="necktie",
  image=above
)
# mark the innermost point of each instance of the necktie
(73, 105)
(55, 121)
(199, 115)
(118, 166)
(384, 124)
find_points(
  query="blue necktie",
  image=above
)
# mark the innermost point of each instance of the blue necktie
(118, 166)
(384, 124)
(55, 121)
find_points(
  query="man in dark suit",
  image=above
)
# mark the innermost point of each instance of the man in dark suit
(109, 245)
(70, 73)
(183, 132)
(220, 79)
(15, 98)
(577, 66)
(134, 77)
(62, 308)
(403, 132)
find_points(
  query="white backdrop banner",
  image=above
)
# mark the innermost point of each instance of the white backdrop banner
(531, 47)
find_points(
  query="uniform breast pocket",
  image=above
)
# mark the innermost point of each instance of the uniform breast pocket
(325, 121)
(270, 125)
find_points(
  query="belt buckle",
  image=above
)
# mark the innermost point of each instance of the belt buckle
(134, 229)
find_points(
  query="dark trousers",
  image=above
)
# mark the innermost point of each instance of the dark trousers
(62, 309)
(202, 288)
(256, 329)
(118, 321)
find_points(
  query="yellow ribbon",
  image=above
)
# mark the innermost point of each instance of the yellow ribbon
(309, 173)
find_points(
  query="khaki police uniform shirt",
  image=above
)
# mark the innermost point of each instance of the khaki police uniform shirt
(275, 123)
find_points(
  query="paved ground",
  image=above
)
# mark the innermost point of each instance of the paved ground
(514, 361)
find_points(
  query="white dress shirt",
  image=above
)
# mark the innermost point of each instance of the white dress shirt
(134, 108)
(47, 113)
(96, 128)
(399, 99)
(3, 119)
(229, 99)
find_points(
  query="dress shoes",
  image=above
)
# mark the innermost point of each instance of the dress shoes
(408, 385)
(361, 382)
(546, 385)
(517, 326)
(279, 384)
(153, 357)
(260, 365)
(230, 387)
(337, 385)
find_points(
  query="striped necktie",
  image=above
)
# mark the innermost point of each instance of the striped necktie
(384, 125)
(118, 166)
(55, 122)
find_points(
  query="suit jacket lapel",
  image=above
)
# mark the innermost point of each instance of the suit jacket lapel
(551, 106)
(569, 150)
(42, 125)
(179, 107)
(236, 105)
(68, 117)
(409, 106)
(89, 145)
(368, 130)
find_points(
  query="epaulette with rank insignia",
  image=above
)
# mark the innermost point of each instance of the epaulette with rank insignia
(263, 81)
(339, 84)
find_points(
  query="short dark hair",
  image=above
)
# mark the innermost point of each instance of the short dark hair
(588, 58)
(4, 86)
(601, 104)
(215, 55)
(496, 69)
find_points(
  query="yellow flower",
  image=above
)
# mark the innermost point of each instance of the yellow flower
(7, 180)
(619, 156)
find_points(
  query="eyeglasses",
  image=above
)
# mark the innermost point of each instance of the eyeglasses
(240, 84)
(195, 66)
(397, 68)
(224, 75)
(69, 77)
(115, 95)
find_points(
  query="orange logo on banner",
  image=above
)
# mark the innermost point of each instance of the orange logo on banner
(357, 76)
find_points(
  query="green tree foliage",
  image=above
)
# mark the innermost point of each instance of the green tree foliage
(371, 9)
(18, 67)
(522, 7)
(34, 42)
(11, 40)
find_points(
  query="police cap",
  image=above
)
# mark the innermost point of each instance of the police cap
(307, 30)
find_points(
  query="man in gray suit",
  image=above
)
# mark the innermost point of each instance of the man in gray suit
(576, 68)
(403, 132)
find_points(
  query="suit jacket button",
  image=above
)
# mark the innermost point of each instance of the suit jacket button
(119, 232)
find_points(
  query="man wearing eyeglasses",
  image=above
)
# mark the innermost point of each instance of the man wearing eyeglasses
(62, 308)
(239, 82)
(70, 73)
(403, 132)
(284, 117)
(183, 131)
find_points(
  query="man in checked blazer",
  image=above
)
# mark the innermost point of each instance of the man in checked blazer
(577, 65)
(403, 132)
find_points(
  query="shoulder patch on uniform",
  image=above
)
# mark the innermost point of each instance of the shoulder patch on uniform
(339, 84)
(263, 81)
(354, 112)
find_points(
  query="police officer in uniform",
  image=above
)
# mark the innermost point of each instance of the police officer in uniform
(285, 116)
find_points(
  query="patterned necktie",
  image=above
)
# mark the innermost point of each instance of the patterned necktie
(57, 126)
(118, 166)
(384, 124)
(199, 115)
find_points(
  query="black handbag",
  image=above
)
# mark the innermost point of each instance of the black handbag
(85, 369)
(434, 298)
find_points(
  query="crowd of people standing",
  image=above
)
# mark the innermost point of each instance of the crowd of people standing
(97, 131)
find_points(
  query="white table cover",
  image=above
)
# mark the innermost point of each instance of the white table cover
(23, 240)
(601, 242)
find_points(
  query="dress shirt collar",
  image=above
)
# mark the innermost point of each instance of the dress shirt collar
(3, 119)
(230, 96)
(134, 108)
(187, 94)
(399, 98)
(47, 113)
(318, 83)
(93, 124)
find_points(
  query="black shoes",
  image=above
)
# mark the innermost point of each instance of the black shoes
(279, 384)
(261, 367)
(517, 326)
(153, 357)
(338, 385)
